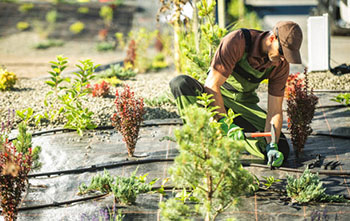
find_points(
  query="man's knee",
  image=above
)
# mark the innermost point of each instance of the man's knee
(183, 85)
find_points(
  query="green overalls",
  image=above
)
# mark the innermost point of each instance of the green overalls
(238, 93)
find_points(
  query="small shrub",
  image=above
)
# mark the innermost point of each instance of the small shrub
(77, 27)
(309, 188)
(118, 71)
(26, 7)
(128, 118)
(105, 46)
(158, 63)
(209, 163)
(114, 81)
(99, 89)
(22, 26)
(124, 189)
(51, 17)
(7, 80)
(165, 98)
(131, 53)
(301, 108)
(106, 14)
(48, 44)
(83, 10)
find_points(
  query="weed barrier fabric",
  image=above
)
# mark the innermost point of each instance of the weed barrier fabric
(63, 151)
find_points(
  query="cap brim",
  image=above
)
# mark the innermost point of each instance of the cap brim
(292, 56)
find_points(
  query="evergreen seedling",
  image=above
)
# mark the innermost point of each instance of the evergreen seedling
(128, 118)
(301, 109)
(209, 163)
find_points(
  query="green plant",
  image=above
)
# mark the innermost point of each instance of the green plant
(86, 72)
(27, 115)
(51, 16)
(105, 46)
(270, 180)
(124, 189)
(77, 27)
(22, 25)
(243, 17)
(24, 144)
(7, 80)
(128, 118)
(48, 44)
(158, 63)
(196, 59)
(209, 163)
(162, 99)
(83, 10)
(119, 72)
(309, 188)
(114, 81)
(26, 7)
(106, 13)
(300, 110)
(343, 99)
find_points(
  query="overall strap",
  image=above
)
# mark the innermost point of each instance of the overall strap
(248, 39)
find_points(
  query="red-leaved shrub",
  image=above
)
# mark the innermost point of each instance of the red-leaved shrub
(100, 90)
(301, 109)
(128, 118)
(14, 168)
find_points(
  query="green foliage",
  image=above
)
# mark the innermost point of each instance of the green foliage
(209, 163)
(309, 188)
(160, 100)
(343, 99)
(118, 71)
(241, 16)
(51, 17)
(114, 81)
(24, 144)
(22, 25)
(174, 210)
(158, 63)
(48, 44)
(77, 27)
(7, 80)
(78, 117)
(26, 7)
(195, 61)
(27, 116)
(106, 14)
(105, 46)
(270, 180)
(124, 189)
(83, 10)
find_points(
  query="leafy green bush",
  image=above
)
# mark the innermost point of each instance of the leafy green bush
(117, 71)
(105, 46)
(48, 44)
(162, 99)
(158, 63)
(242, 17)
(77, 27)
(124, 189)
(7, 79)
(114, 81)
(26, 7)
(106, 13)
(309, 188)
(83, 10)
(22, 25)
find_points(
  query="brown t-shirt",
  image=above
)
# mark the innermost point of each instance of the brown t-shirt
(231, 50)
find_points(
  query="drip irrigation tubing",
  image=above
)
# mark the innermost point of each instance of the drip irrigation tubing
(100, 167)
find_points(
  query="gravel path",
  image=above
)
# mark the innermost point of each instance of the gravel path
(31, 93)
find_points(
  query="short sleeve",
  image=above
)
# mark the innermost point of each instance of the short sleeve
(229, 52)
(278, 79)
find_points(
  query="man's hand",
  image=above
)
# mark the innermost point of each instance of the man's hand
(275, 157)
(234, 131)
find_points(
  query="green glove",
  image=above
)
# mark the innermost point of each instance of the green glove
(234, 132)
(275, 157)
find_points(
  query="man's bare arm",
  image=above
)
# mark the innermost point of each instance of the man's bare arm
(212, 86)
(274, 113)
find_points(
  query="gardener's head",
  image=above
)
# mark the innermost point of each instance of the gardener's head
(286, 39)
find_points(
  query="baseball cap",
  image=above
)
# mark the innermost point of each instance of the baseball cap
(290, 37)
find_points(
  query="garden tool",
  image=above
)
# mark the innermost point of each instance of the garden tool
(271, 134)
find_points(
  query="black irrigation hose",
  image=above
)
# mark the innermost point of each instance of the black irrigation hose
(94, 168)
(99, 167)
(325, 135)
(330, 91)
